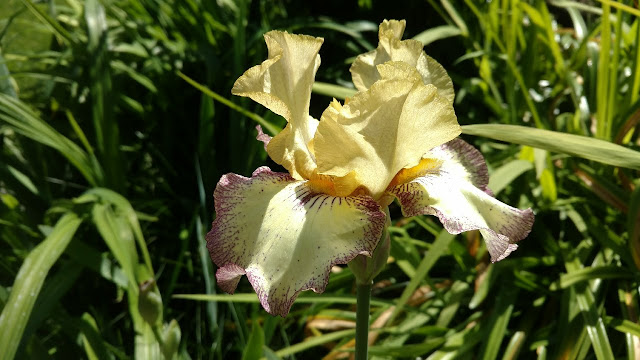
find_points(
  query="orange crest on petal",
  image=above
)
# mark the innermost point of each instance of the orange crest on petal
(405, 175)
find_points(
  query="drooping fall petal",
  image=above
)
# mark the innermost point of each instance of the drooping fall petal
(282, 83)
(285, 237)
(384, 129)
(391, 48)
(454, 189)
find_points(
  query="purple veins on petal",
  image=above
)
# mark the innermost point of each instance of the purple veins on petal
(456, 192)
(278, 232)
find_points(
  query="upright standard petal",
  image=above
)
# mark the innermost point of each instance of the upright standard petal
(384, 129)
(390, 48)
(453, 187)
(283, 84)
(285, 237)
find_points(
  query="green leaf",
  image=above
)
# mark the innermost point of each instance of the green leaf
(24, 121)
(55, 27)
(633, 226)
(315, 341)
(440, 245)
(624, 326)
(575, 145)
(304, 298)
(504, 175)
(124, 208)
(335, 91)
(136, 76)
(268, 127)
(592, 273)
(593, 321)
(437, 33)
(6, 85)
(548, 184)
(253, 350)
(455, 16)
(407, 350)
(29, 281)
(91, 339)
(118, 238)
(102, 94)
(499, 322)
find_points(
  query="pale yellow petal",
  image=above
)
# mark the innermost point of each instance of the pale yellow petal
(283, 84)
(384, 129)
(391, 48)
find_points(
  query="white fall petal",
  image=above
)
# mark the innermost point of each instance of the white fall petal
(285, 237)
(455, 191)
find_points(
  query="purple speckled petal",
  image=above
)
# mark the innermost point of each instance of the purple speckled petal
(456, 192)
(285, 237)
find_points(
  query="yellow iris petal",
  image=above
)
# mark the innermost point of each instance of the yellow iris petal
(282, 83)
(391, 48)
(383, 130)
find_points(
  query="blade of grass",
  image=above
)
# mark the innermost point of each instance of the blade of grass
(517, 74)
(29, 281)
(504, 175)
(438, 248)
(124, 208)
(594, 323)
(624, 326)
(24, 121)
(633, 226)
(437, 33)
(603, 89)
(621, 6)
(336, 91)
(575, 145)
(55, 27)
(302, 299)
(315, 341)
(269, 127)
(91, 338)
(105, 126)
(6, 86)
(121, 244)
(591, 273)
(455, 16)
(499, 322)
(253, 350)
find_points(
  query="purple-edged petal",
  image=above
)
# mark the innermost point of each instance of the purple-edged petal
(455, 191)
(285, 237)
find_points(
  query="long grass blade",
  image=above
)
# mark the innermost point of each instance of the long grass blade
(55, 27)
(437, 33)
(269, 127)
(21, 118)
(29, 281)
(575, 145)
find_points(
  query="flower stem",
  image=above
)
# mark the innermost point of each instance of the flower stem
(363, 297)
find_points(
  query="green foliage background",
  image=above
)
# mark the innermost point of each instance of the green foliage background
(116, 122)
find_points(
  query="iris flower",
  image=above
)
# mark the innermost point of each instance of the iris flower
(396, 138)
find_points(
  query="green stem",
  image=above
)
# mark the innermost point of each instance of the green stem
(363, 294)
